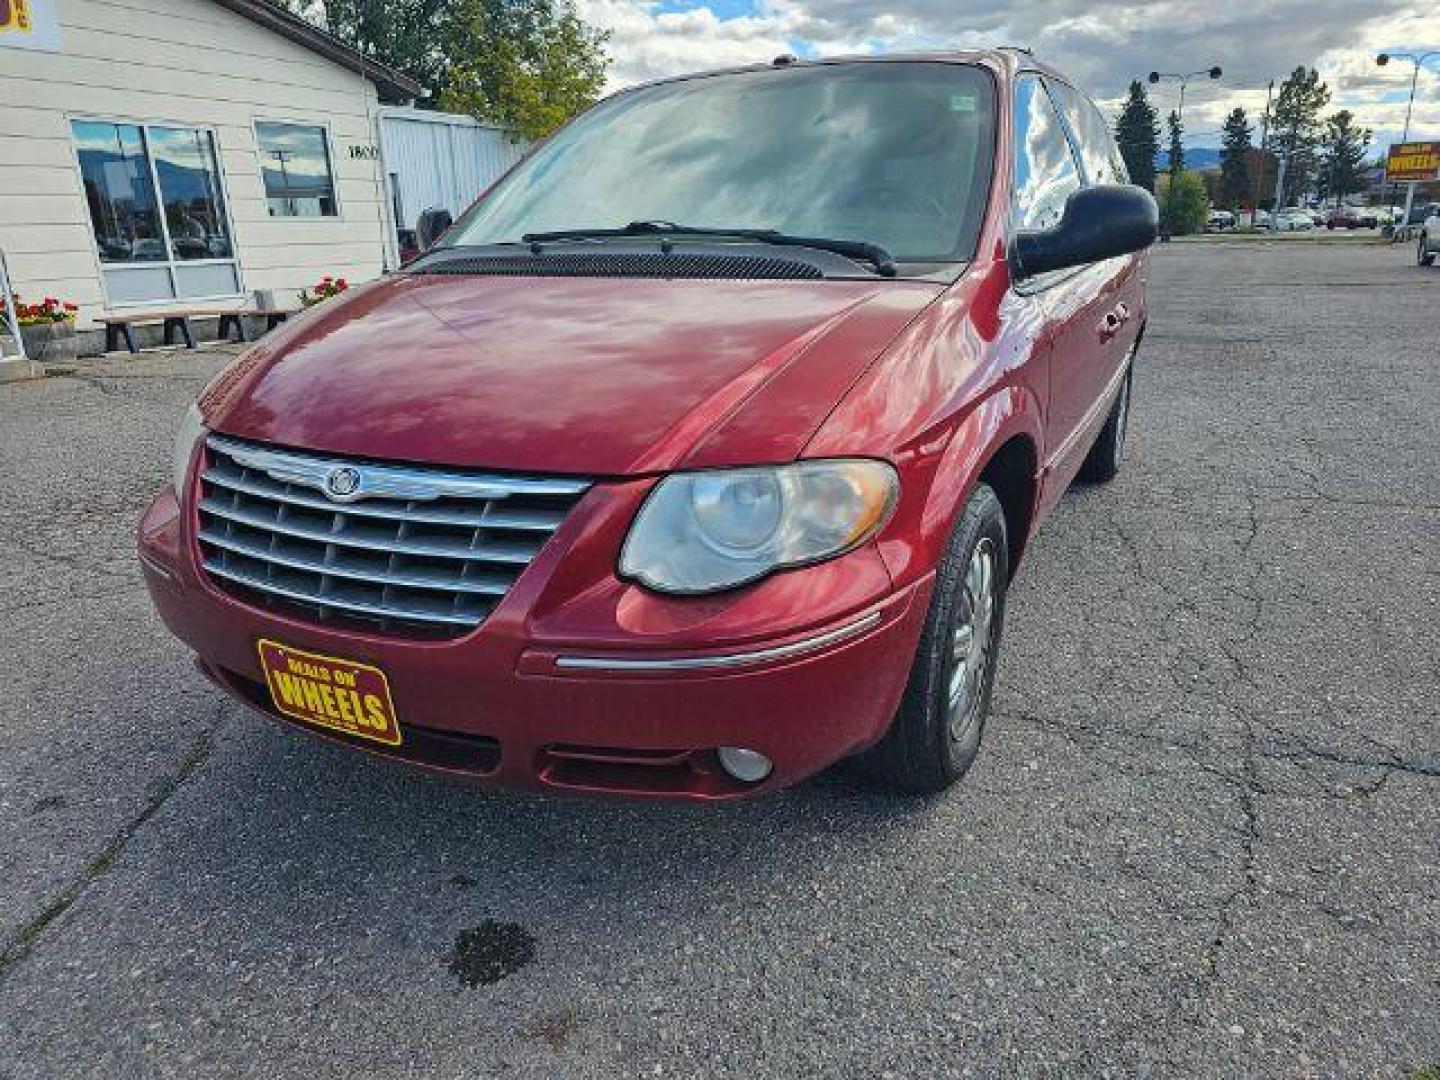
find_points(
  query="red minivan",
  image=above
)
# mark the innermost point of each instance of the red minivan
(697, 455)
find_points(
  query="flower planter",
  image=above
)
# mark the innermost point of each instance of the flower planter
(51, 343)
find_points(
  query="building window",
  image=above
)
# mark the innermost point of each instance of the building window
(189, 178)
(295, 162)
(157, 209)
(116, 172)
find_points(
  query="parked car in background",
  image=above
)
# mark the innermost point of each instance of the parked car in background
(1261, 219)
(1294, 219)
(1344, 217)
(683, 489)
(1219, 220)
(1428, 244)
(1419, 213)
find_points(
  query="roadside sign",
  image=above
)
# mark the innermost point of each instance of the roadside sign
(29, 24)
(1416, 161)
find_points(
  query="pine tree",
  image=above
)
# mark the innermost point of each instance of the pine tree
(1295, 128)
(1175, 167)
(1342, 156)
(1235, 182)
(1176, 156)
(1137, 131)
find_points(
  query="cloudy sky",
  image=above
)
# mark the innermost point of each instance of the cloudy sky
(1102, 44)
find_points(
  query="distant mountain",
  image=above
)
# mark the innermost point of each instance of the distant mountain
(1196, 157)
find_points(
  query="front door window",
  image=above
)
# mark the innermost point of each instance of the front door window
(157, 209)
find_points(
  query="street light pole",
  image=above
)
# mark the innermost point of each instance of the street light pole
(1264, 147)
(1418, 60)
(1183, 80)
(282, 156)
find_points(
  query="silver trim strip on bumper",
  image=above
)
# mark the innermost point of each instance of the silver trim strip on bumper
(701, 663)
(155, 568)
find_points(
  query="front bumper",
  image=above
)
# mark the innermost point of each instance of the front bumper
(513, 706)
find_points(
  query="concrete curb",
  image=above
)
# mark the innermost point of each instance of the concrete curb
(15, 368)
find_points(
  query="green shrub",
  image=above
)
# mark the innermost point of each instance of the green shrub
(1186, 213)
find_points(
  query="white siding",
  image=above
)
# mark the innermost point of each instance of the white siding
(187, 62)
(440, 159)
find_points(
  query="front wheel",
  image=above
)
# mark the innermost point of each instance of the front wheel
(936, 734)
(1423, 256)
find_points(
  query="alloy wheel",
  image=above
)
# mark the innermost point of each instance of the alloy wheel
(972, 640)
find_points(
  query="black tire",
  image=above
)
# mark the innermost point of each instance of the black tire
(1103, 462)
(1424, 256)
(921, 753)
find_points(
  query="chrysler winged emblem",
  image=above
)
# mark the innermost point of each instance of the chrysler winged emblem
(342, 483)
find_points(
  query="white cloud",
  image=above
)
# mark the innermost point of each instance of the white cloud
(1101, 43)
(647, 44)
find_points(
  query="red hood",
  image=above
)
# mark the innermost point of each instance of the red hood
(581, 375)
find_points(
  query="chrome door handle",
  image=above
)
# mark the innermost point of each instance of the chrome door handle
(1114, 319)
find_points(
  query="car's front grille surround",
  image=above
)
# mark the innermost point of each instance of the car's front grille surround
(413, 550)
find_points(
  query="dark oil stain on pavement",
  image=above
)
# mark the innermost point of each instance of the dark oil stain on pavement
(489, 952)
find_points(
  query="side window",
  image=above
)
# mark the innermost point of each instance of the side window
(1098, 152)
(1045, 169)
(295, 163)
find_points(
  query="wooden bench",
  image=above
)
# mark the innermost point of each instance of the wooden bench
(120, 326)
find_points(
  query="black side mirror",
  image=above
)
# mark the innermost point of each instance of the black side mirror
(1099, 222)
(431, 225)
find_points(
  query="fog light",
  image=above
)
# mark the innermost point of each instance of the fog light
(747, 766)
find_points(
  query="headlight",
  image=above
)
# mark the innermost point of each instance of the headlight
(707, 531)
(192, 430)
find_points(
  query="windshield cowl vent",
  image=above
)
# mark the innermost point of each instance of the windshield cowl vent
(618, 264)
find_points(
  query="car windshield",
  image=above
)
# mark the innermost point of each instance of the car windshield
(892, 153)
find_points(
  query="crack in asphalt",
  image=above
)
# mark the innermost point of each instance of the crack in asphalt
(18, 946)
(67, 598)
(72, 562)
(1227, 630)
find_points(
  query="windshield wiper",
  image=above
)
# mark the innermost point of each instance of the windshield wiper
(874, 254)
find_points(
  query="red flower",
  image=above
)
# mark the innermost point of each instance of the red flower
(342, 284)
(50, 301)
(71, 307)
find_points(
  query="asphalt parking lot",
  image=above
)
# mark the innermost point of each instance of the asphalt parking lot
(1202, 838)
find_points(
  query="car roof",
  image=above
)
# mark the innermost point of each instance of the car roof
(1009, 59)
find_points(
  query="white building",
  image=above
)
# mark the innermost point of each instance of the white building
(435, 159)
(186, 152)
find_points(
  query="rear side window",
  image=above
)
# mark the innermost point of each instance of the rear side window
(1045, 168)
(1098, 152)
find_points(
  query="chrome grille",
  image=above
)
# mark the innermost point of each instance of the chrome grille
(408, 549)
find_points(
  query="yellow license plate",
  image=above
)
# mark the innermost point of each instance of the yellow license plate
(329, 692)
